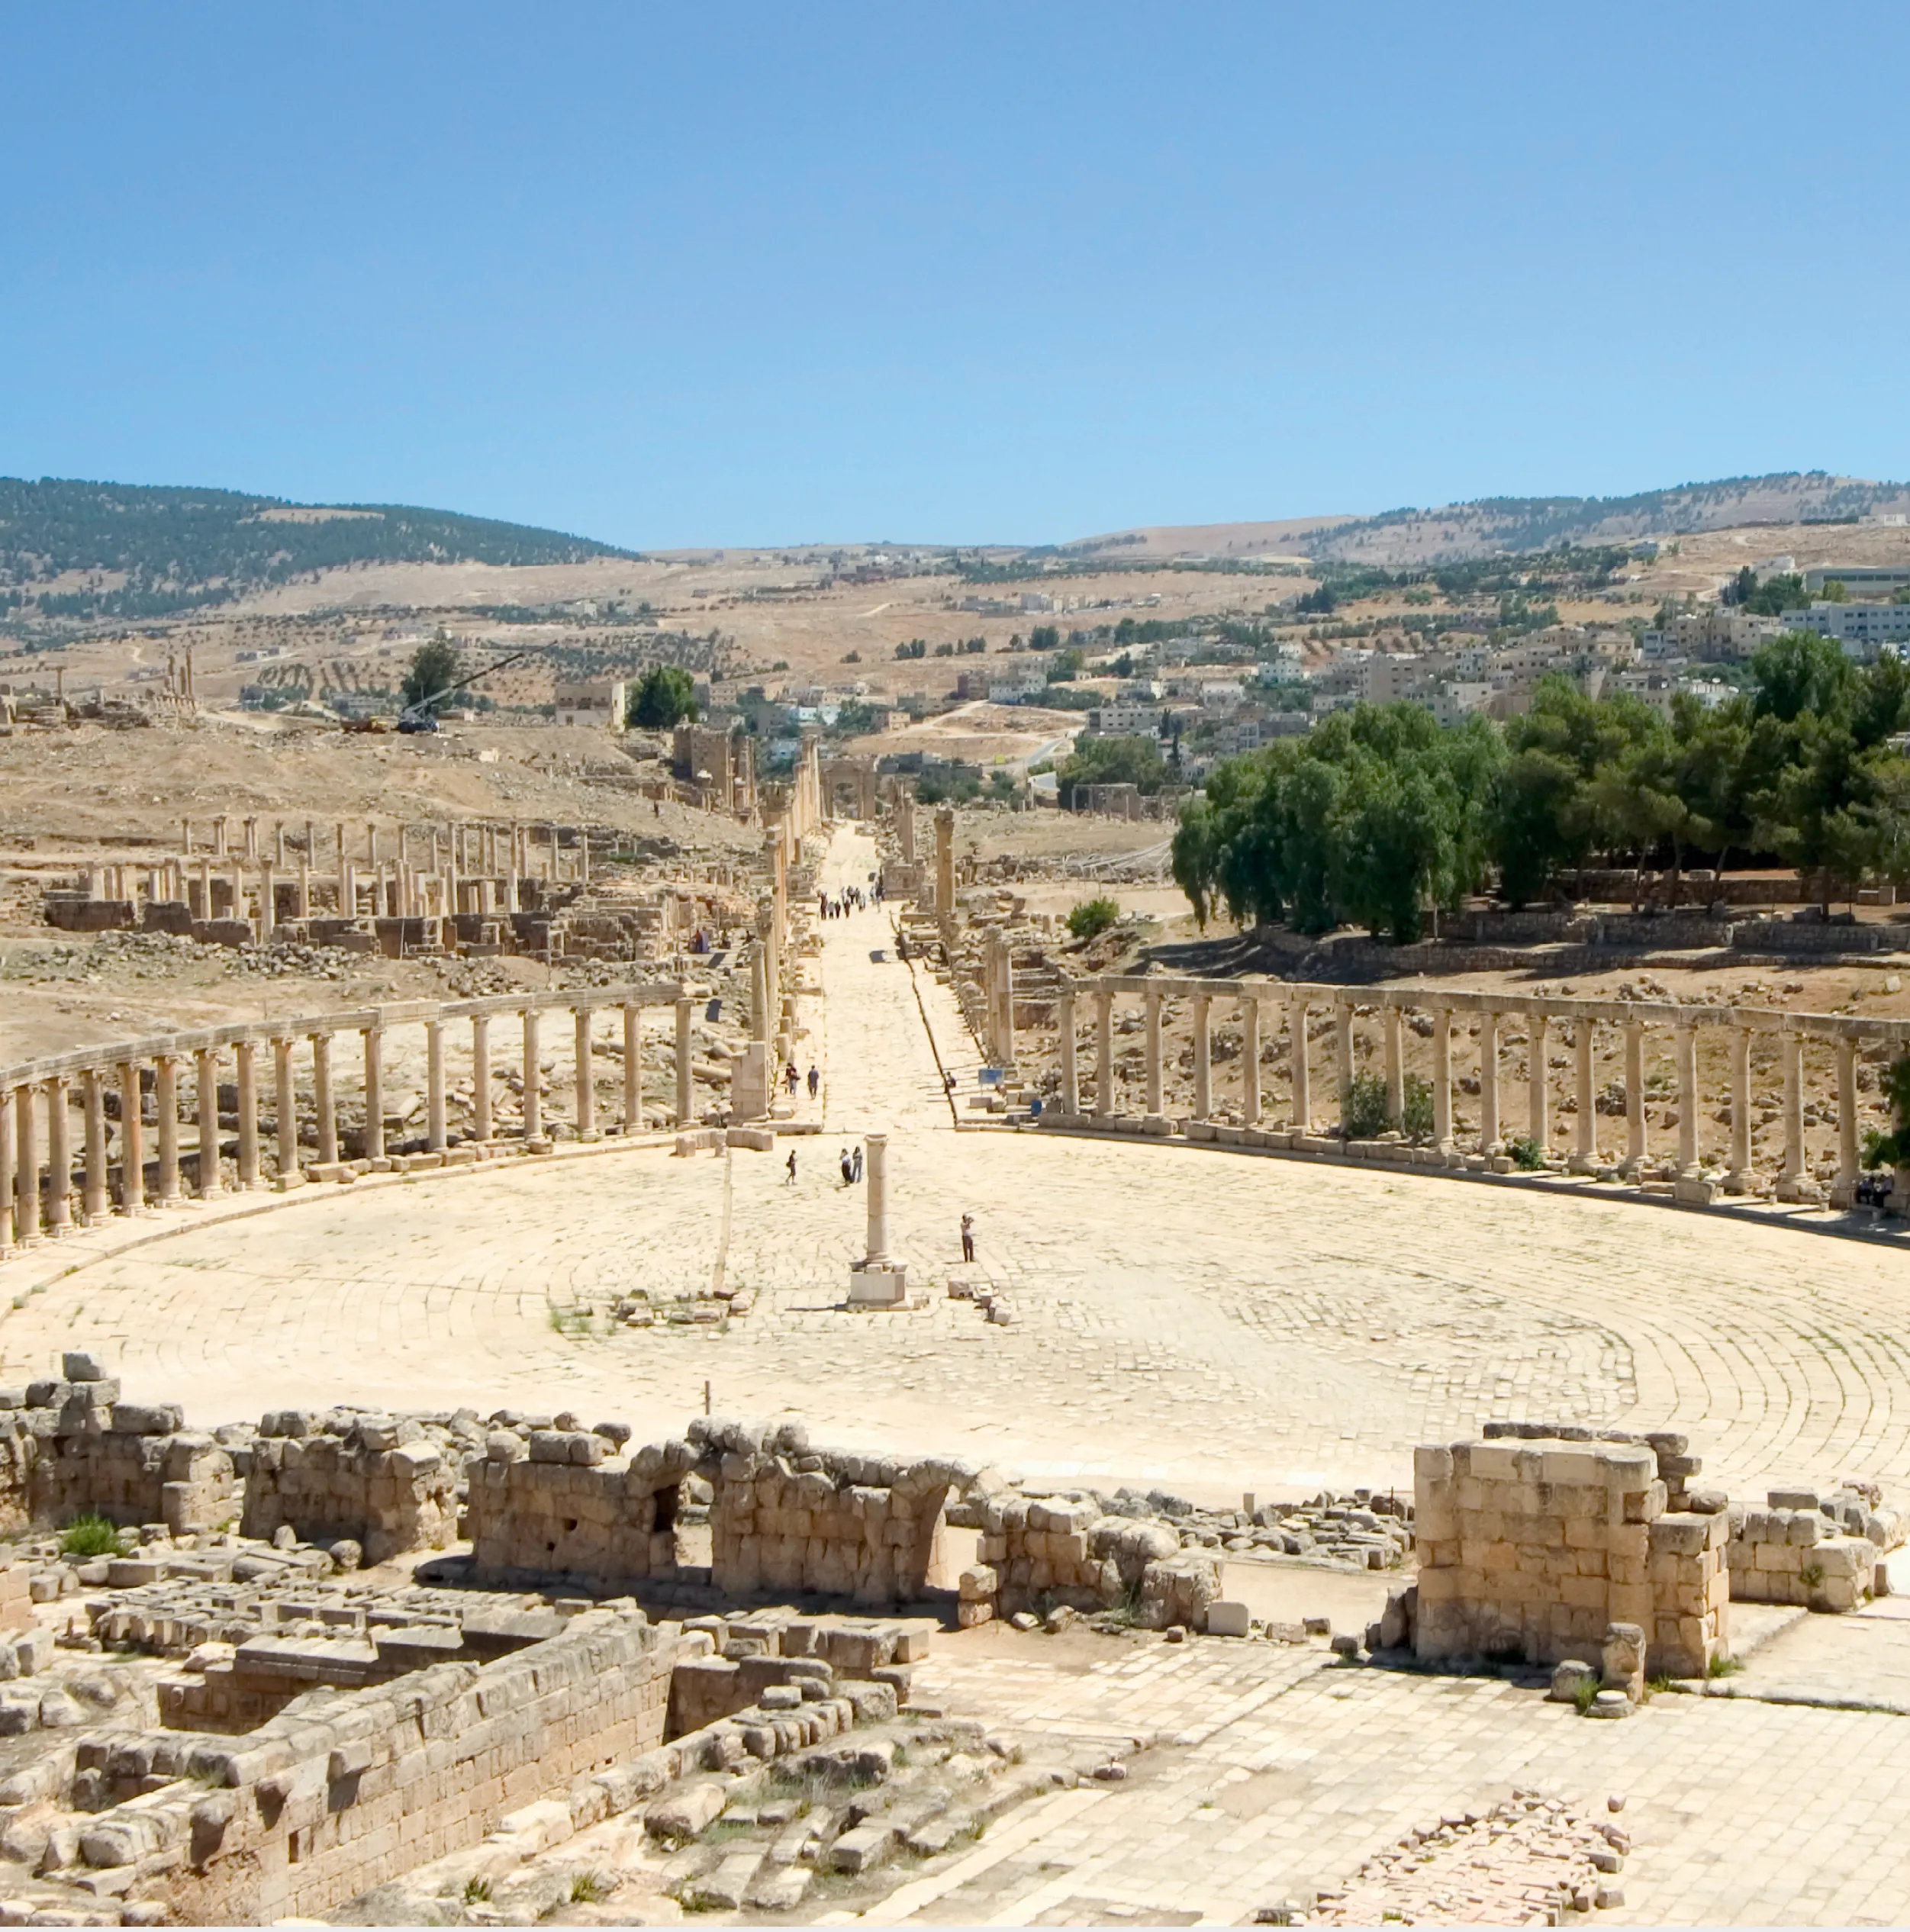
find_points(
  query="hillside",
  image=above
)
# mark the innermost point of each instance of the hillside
(77, 550)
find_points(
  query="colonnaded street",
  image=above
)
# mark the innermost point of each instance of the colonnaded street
(1206, 1320)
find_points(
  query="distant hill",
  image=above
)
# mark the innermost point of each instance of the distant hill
(114, 550)
(1494, 524)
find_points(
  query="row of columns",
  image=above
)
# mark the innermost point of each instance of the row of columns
(40, 1181)
(1792, 1181)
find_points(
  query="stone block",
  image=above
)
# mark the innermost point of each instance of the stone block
(1228, 1619)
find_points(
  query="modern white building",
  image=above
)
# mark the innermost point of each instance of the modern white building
(1862, 629)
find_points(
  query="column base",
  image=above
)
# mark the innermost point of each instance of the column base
(536, 1144)
(878, 1284)
(1582, 1164)
(589, 1135)
(1736, 1182)
(285, 1183)
(170, 1201)
(1798, 1190)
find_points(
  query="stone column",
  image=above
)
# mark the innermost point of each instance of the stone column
(632, 1069)
(1491, 1143)
(251, 838)
(60, 1160)
(205, 888)
(1203, 1059)
(686, 1091)
(304, 885)
(27, 1153)
(1635, 1150)
(245, 1054)
(1103, 1053)
(9, 1197)
(586, 1079)
(1302, 1121)
(434, 1124)
(1250, 1062)
(186, 837)
(1738, 1180)
(1584, 1159)
(905, 824)
(481, 1078)
(1395, 1066)
(535, 1138)
(1343, 1055)
(1071, 1081)
(1686, 1038)
(1791, 1181)
(239, 890)
(1540, 1092)
(944, 899)
(218, 835)
(324, 1102)
(132, 1142)
(97, 1201)
(1442, 1080)
(1844, 1189)
(875, 1173)
(374, 1100)
(211, 1186)
(268, 901)
(279, 838)
(285, 1102)
(166, 1099)
(1151, 1007)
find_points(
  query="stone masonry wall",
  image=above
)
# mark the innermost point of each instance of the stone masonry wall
(380, 1484)
(345, 1791)
(1537, 1546)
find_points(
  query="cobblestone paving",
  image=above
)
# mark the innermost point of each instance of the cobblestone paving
(1212, 1321)
(1275, 1769)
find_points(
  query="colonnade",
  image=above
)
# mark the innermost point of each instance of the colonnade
(1261, 1004)
(65, 1163)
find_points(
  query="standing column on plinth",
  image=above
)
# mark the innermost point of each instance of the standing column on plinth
(535, 1138)
(9, 1190)
(205, 888)
(1070, 1082)
(371, 844)
(1343, 1056)
(632, 1069)
(1202, 1059)
(1006, 969)
(285, 1107)
(434, 1116)
(218, 835)
(380, 907)
(1491, 1144)
(278, 841)
(374, 1152)
(166, 1100)
(1687, 1039)
(1250, 1061)
(1539, 1098)
(905, 823)
(1844, 1189)
(1585, 1149)
(210, 1184)
(1103, 1053)
(26, 1191)
(1395, 1025)
(1151, 1009)
(239, 890)
(480, 1078)
(247, 1078)
(685, 1093)
(1635, 1150)
(97, 1201)
(1738, 1180)
(945, 890)
(877, 1281)
(586, 1079)
(60, 1160)
(348, 890)
(1301, 1119)
(186, 837)
(324, 1102)
(268, 900)
(132, 1141)
(251, 838)
(1442, 1080)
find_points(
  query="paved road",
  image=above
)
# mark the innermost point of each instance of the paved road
(1207, 1321)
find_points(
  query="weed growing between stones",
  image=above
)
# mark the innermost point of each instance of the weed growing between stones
(91, 1535)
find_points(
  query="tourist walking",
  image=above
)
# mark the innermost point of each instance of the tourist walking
(967, 1234)
(848, 1172)
(856, 1166)
(790, 1179)
(815, 1081)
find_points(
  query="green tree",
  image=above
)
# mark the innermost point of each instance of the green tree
(1801, 672)
(433, 668)
(1066, 665)
(665, 696)
(1135, 761)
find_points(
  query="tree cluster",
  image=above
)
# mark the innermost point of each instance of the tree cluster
(1378, 813)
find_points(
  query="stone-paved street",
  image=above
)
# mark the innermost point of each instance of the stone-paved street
(1212, 1321)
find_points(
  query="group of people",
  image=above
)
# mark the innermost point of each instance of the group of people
(851, 1165)
(794, 1079)
(851, 898)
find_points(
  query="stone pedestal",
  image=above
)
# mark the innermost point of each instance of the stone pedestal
(878, 1284)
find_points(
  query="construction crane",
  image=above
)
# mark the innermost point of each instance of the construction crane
(422, 716)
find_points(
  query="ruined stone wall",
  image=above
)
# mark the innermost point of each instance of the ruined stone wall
(1536, 1545)
(1790, 1552)
(319, 1805)
(374, 1481)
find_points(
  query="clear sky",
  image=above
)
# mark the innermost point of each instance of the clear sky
(769, 273)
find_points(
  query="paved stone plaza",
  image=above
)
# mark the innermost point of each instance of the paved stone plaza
(1204, 1321)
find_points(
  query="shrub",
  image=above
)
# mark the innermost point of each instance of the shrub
(1721, 1666)
(1415, 1117)
(91, 1535)
(1585, 1694)
(1527, 1155)
(1363, 1109)
(1092, 917)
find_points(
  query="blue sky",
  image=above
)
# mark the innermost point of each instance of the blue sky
(764, 273)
